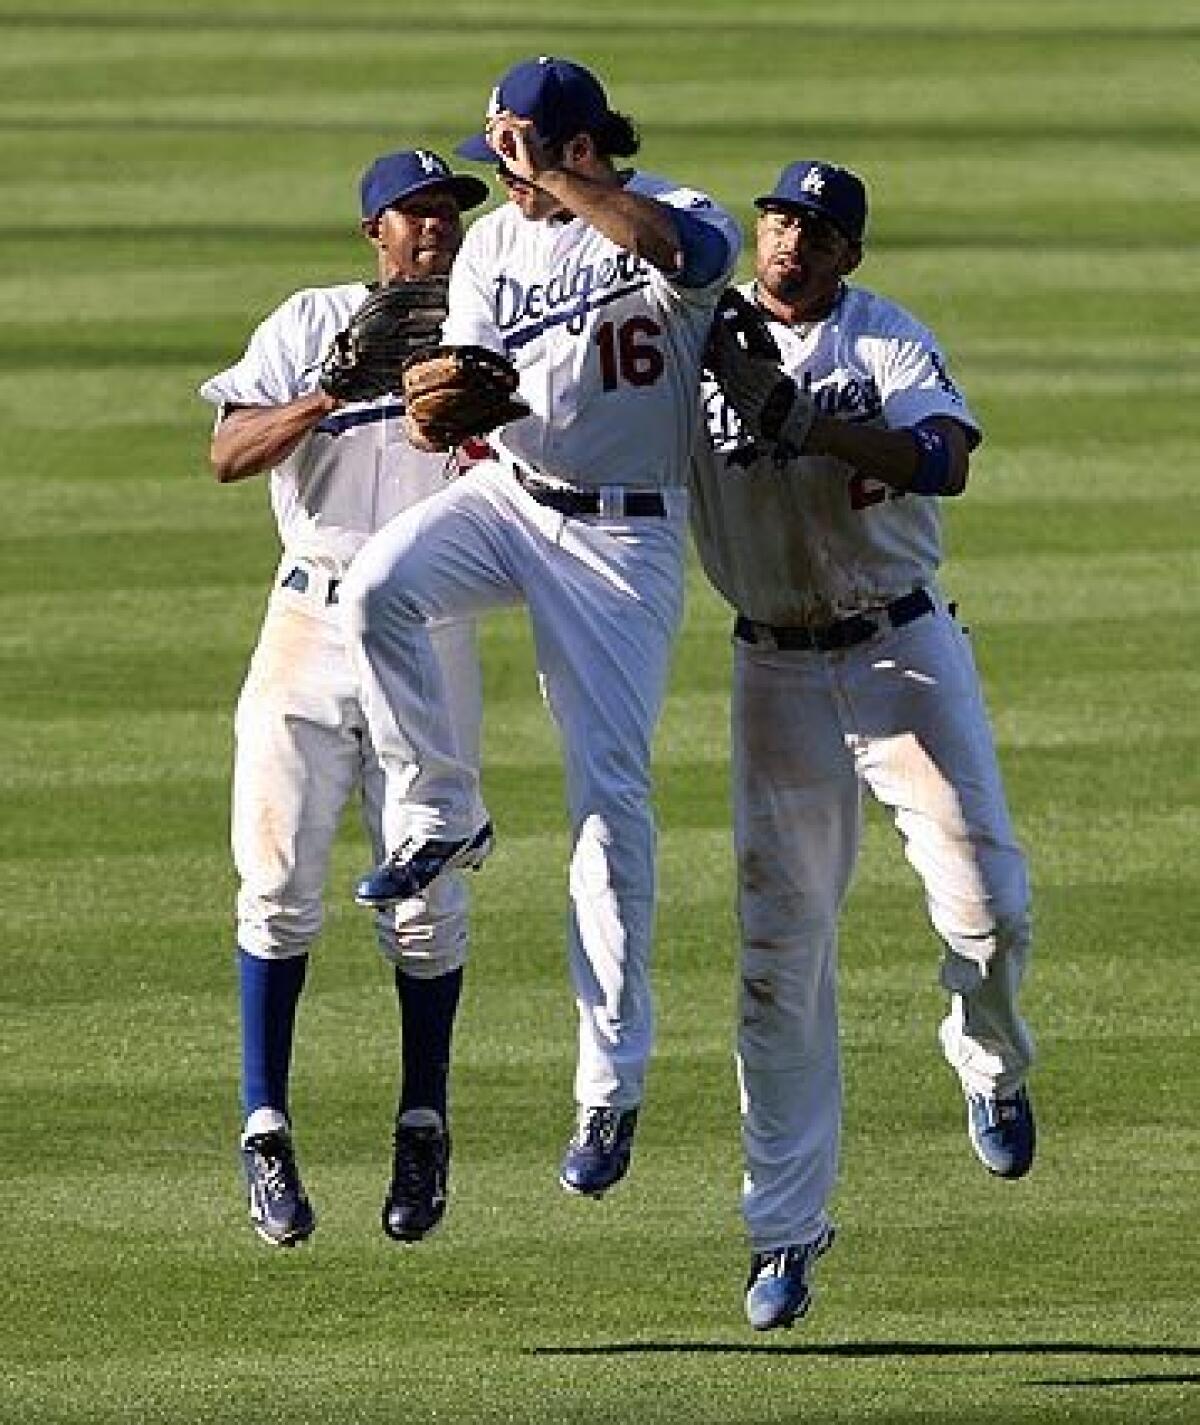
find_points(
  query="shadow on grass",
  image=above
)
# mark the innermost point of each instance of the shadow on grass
(876, 1350)
(1119, 1381)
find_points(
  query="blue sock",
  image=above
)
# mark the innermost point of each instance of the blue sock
(270, 992)
(427, 1011)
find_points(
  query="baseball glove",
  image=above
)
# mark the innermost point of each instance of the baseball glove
(365, 358)
(455, 392)
(743, 357)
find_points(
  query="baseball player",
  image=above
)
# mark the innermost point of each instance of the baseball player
(600, 283)
(338, 470)
(817, 517)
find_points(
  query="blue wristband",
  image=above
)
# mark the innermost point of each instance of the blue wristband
(932, 475)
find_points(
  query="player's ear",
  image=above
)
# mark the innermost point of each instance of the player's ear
(854, 255)
(370, 230)
(579, 149)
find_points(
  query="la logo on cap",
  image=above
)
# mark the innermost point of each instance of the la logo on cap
(814, 181)
(430, 162)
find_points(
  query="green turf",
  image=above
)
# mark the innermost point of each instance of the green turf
(170, 171)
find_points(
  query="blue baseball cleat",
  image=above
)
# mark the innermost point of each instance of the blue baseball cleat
(415, 865)
(597, 1157)
(778, 1293)
(279, 1207)
(1002, 1132)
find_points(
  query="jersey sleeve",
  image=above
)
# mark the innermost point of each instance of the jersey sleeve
(281, 361)
(711, 240)
(472, 318)
(912, 377)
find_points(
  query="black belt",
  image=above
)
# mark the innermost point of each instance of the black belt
(299, 580)
(844, 633)
(615, 504)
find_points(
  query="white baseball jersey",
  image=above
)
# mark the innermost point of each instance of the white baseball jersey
(356, 470)
(820, 540)
(595, 334)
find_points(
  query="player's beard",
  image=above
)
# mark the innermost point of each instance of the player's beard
(793, 284)
(788, 278)
(786, 287)
(433, 261)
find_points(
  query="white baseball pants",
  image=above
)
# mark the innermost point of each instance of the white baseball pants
(605, 599)
(901, 714)
(302, 750)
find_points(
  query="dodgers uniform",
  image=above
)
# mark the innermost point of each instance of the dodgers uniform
(796, 548)
(583, 517)
(303, 746)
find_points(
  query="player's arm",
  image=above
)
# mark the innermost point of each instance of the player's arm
(925, 448)
(677, 243)
(931, 458)
(251, 439)
(634, 222)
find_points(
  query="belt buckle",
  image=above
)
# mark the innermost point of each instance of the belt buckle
(611, 502)
(861, 629)
(845, 633)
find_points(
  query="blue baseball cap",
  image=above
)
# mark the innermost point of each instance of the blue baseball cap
(835, 193)
(396, 176)
(562, 98)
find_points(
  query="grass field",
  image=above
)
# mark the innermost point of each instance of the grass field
(169, 172)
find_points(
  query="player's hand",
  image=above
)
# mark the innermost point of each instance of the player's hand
(745, 359)
(456, 393)
(516, 143)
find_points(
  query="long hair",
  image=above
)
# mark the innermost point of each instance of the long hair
(617, 137)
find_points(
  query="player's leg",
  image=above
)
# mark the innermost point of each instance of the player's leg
(929, 756)
(797, 815)
(426, 942)
(440, 561)
(606, 605)
(295, 765)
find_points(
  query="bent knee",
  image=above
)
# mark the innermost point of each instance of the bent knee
(786, 924)
(278, 914)
(430, 943)
(276, 937)
(787, 998)
(368, 603)
(988, 938)
(424, 958)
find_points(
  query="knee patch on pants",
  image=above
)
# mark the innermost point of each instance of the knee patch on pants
(787, 1004)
